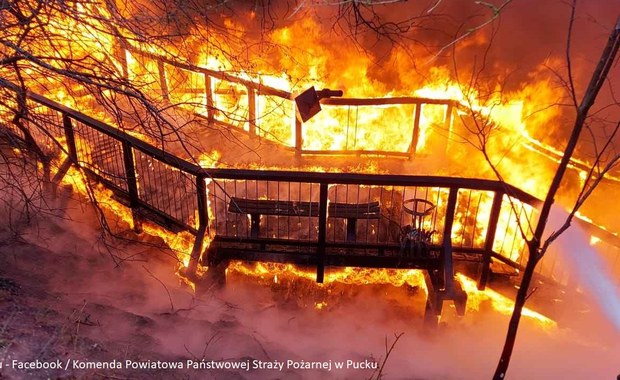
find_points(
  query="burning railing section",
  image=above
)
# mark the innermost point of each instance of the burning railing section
(187, 199)
(377, 217)
(390, 126)
(136, 171)
(367, 217)
(366, 211)
(152, 184)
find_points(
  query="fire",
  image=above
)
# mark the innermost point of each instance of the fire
(348, 275)
(320, 305)
(360, 276)
(276, 274)
(507, 116)
(181, 243)
(338, 128)
(499, 302)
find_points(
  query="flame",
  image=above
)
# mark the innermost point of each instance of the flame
(377, 128)
(181, 243)
(499, 302)
(271, 272)
(347, 275)
(320, 305)
(513, 116)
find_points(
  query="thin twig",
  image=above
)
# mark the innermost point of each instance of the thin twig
(162, 284)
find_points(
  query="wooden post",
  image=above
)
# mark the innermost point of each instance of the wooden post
(70, 138)
(194, 258)
(434, 300)
(71, 152)
(489, 239)
(203, 208)
(209, 98)
(161, 69)
(298, 136)
(203, 223)
(132, 185)
(447, 125)
(446, 251)
(252, 111)
(121, 55)
(416, 130)
(320, 269)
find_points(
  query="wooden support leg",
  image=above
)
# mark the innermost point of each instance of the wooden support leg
(351, 229)
(215, 277)
(434, 300)
(196, 252)
(48, 185)
(460, 299)
(137, 221)
(62, 171)
(254, 225)
(490, 238)
(431, 319)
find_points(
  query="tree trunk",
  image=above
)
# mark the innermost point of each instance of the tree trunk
(535, 246)
(513, 325)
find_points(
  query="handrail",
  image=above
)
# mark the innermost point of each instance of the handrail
(130, 143)
(135, 142)
(255, 89)
(377, 180)
(395, 100)
(284, 175)
(262, 89)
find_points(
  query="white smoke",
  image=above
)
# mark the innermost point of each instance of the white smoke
(588, 266)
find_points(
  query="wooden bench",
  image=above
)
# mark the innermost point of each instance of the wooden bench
(349, 211)
(352, 212)
(257, 207)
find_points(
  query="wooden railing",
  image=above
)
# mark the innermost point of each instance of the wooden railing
(176, 193)
(253, 92)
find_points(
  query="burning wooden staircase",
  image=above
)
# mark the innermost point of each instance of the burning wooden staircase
(308, 218)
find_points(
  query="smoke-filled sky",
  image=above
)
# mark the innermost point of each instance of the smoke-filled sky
(527, 33)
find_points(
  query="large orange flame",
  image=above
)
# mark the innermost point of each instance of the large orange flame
(511, 115)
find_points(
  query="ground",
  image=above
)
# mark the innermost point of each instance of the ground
(63, 298)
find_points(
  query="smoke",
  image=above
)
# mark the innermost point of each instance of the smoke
(587, 264)
(461, 348)
(126, 313)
